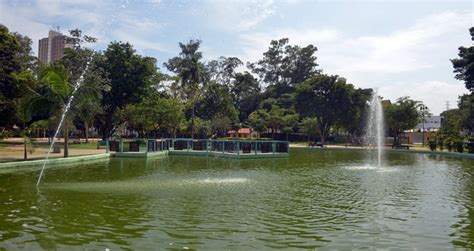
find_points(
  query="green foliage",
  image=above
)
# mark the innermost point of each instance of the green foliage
(309, 126)
(355, 119)
(432, 145)
(129, 77)
(216, 101)
(283, 66)
(189, 68)
(464, 65)
(222, 71)
(57, 77)
(401, 116)
(258, 120)
(274, 118)
(459, 145)
(9, 48)
(246, 93)
(450, 144)
(202, 128)
(466, 108)
(154, 113)
(470, 146)
(440, 140)
(326, 98)
(16, 63)
(4, 134)
(221, 124)
(191, 72)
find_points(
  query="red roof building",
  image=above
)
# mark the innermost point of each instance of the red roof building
(242, 133)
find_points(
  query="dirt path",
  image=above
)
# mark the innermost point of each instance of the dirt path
(11, 153)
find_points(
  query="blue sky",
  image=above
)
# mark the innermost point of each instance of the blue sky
(402, 48)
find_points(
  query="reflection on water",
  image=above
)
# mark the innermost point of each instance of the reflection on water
(313, 199)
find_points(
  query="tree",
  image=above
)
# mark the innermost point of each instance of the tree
(452, 123)
(464, 65)
(354, 121)
(15, 60)
(222, 70)
(220, 124)
(327, 98)
(402, 115)
(25, 54)
(464, 69)
(258, 120)
(56, 78)
(246, 93)
(309, 126)
(202, 127)
(154, 113)
(24, 111)
(283, 66)
(129, 76)
(86, 109)
(216, 101)
(274, 118)
(466, 105)
(191, 72)
(76, 60)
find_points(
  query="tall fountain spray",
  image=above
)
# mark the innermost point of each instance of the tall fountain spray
(375, 131)
(66, 108)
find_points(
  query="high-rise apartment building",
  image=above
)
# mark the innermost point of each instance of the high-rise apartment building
(51, 48)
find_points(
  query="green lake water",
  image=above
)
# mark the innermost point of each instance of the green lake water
(313, 199)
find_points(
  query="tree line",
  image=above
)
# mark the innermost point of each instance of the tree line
(281, 94)
(458, 124)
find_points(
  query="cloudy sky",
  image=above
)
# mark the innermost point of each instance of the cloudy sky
(402, 48)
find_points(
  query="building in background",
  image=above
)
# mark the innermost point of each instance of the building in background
(418, 135)
(431, 123)
(51, 48)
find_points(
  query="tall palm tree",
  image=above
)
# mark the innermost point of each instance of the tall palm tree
(56, 93)
(191, 71)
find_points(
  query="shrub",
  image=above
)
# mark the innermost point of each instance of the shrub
(449, 144)
(470, 145)
(432, 144)
(440, 144)
(459, 144)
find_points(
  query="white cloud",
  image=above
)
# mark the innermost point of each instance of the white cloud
(254, 44)
(105, 20)
(404, 50)
(433, 93)
(235, 15)
(419, 51)
(139, 42)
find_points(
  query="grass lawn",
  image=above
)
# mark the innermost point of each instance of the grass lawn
(90, 145)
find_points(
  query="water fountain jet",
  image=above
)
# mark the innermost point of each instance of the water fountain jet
(375, 129)
(66, 108)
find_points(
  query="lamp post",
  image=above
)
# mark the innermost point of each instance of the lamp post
(423, 110)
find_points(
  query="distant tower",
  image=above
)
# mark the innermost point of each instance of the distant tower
(51, 48)
(447, 105)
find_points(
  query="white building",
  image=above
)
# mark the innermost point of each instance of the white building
(432, 123)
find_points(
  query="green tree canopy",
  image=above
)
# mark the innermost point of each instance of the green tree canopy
(15, 72)
(191, 73)
(325, 97)
(283, 66)
(464, 65)
(246, 93)
(402, 115)
(216, 101)
(129, 77)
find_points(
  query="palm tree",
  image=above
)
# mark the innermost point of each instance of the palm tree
(191, 71)
(56, 93)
